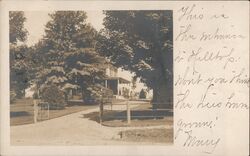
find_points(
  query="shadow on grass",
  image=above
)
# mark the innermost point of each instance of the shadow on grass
(135, 115)
(19, 114)
(71, 103)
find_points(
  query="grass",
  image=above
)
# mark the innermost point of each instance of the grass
(159, 135)
(141, 116)
(22, 111)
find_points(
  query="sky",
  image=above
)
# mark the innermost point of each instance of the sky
(36, 21)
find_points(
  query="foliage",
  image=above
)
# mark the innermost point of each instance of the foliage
(142, 42)
(20, 59)
(125, 92)
(20, 69)
(17, 30)
(54, 96)
(143, 94)
(134, 79)
(96, 92)
(67, 54)
(12, 96)
(35, 95)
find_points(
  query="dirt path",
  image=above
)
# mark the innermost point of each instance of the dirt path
(71, 129)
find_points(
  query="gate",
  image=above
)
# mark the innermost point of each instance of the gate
(41, 111)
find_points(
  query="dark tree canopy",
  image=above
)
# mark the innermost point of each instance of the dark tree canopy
(68, 30)
(142, 42)
(69, 59)
(17, 30)
(20, 74)
(20, 71)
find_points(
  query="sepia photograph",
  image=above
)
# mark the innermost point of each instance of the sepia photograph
(124, 78)
(91, 77)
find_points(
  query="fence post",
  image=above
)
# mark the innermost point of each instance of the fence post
(128, 113)
(154, 105)
(48, 110)
(35, 111)
(101, 111)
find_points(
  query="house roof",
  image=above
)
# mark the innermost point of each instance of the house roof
(121, 80)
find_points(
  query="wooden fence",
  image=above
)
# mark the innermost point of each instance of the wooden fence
(156, 107)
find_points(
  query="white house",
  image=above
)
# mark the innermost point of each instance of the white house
(117, 82)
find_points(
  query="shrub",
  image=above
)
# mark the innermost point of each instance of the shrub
(54, 96)
(12, 96)
(142, 94)
(125, 92)
(35, 95)
(95, 93)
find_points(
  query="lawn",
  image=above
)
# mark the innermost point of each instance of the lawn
(22, 112)
(158, 135)
(142, 115)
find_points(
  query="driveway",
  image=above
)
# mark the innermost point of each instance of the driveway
(71, 129)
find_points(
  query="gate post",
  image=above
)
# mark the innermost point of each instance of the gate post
(128, 113)
(35, 111)
(48, 110)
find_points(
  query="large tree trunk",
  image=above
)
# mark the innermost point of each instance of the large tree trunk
(163, 94)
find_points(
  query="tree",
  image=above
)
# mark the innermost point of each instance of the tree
(17, 30)
(19, 69)
(142, 42)
(69, 59)
(19, 54)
